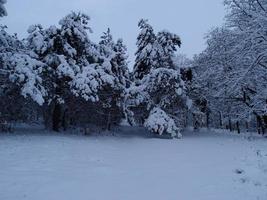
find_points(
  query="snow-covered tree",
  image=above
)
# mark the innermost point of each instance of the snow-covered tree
(120, 63)
(21, 86)
(232, 70)
(165, 47)
(145, 54)
(154, 50)
(64, 51)
(160, 123)
(249, 19)
(164, 89)
(26, 73)
(214, 69)
(3, 11)
(159, 92)
(104, 83)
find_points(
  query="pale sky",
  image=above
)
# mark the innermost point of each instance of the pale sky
(190, 19)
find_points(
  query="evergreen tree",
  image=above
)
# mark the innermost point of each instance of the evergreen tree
(3, 11)
(20, 79)
(64, 51)
(120, 63)
(145, 53)
(166, 45)
(157, 99)
(103, 83)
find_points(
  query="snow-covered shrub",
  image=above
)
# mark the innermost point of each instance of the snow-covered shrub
(160, 123)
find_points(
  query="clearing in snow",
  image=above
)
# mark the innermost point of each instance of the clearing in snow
(206, 165)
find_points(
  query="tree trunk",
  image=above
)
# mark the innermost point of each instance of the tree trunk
(238, 127)
(208, 119)
(221, 124)
(247, 128)
(47, 116)
(259, 125)
(64, 120)
(56, 117)
(230, 125)
(108, 122)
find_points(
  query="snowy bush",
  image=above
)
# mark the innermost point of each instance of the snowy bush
(160, 123)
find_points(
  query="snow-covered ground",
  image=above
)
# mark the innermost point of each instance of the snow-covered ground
(205, 166)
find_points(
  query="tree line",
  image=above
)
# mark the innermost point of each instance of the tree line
(60, 77)
(231, 73)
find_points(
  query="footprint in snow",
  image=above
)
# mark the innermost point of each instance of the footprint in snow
(244, 180)
(239, 171)
(257, 184)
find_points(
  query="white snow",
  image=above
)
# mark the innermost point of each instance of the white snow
(159, 122)
(38, 165)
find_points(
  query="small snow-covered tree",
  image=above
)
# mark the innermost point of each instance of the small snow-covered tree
(160, 123)
(120, 63)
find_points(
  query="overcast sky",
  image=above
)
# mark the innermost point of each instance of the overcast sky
(190, 19)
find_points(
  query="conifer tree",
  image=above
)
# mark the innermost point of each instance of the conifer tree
(158, 97)
(3, 11)
(64, 51)
(145, 53)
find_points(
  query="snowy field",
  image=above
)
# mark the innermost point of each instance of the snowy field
(204, 166)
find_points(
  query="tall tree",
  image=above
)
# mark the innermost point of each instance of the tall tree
(165, 46)
(64, 51)
(145, 54)
(102, 84)
(158, 95)
(21, 86)
(233, 66)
